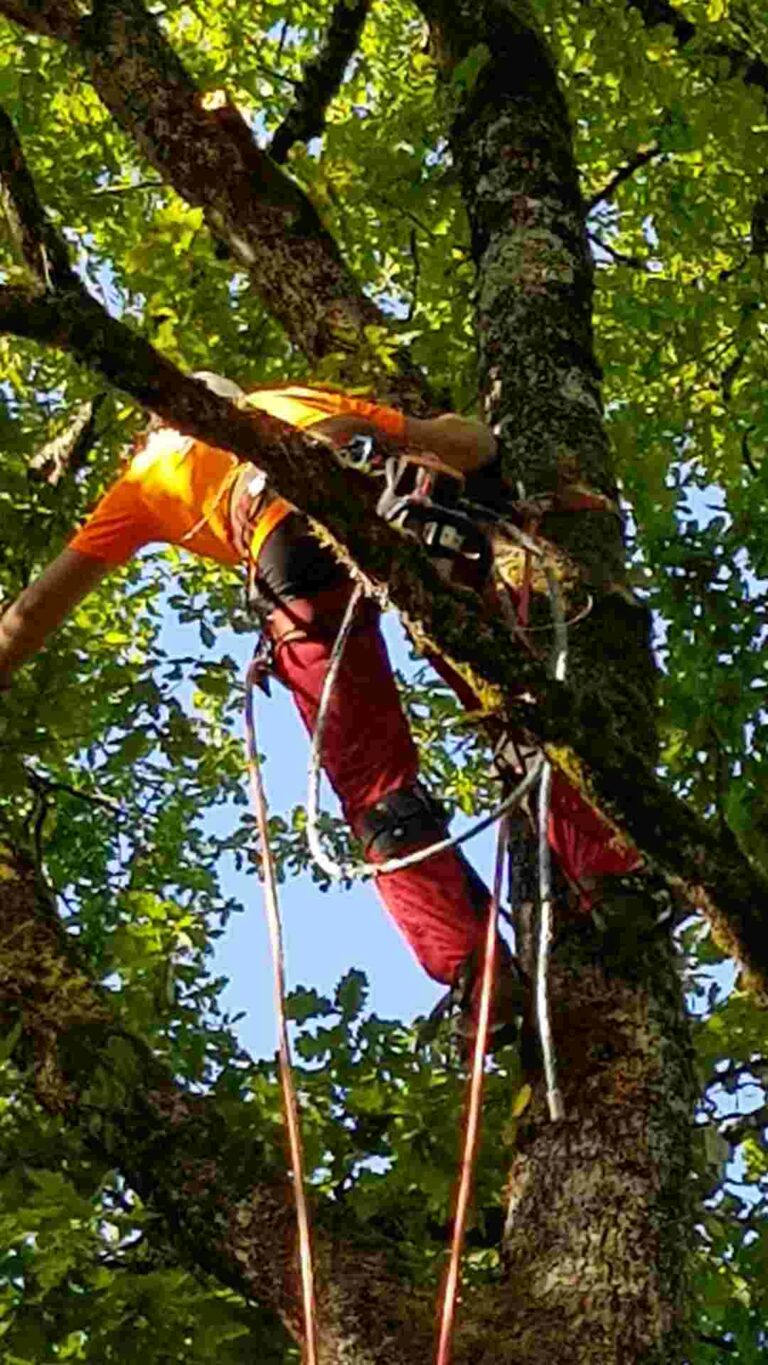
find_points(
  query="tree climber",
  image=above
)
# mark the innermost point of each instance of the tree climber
(183, 492)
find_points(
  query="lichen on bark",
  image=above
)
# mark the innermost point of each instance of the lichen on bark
(599, 1218)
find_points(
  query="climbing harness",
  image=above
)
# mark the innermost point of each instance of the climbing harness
(424, 500)
(474, 1111)
(290, 1106)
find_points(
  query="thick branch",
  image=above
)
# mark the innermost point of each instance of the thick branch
(210, 158)
(39, 245)
(224, 1206)
(322, 78)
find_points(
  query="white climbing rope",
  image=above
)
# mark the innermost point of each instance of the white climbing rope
(540, 770)
(360, 871)
(546, 908)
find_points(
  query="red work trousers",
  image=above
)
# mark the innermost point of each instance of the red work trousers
(368, 751)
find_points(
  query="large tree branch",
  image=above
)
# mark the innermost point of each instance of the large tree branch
(322, 78)
(209, 156)
(578, 726)
(225, 1206)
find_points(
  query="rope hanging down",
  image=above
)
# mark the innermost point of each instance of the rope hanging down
(290, 1106)
(541, 769)
(544, 1023)
(362, 871)
(474, 1109)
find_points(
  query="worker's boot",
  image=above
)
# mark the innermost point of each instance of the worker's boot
(462, 1003)
(507, 1001)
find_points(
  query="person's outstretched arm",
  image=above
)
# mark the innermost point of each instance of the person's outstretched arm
(28, 622)
(460, 442)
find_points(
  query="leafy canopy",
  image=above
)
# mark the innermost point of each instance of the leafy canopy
(114, 751)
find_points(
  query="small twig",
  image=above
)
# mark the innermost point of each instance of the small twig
(731, 371)
(42, 784)
(126, 189)
(641, 158)
(635, 262)
(322, 78)
(409, 214)
(746, 453)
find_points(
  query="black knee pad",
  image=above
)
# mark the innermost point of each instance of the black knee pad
(403, 820)
(291, 564)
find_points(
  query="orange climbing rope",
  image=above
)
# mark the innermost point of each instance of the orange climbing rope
(290, 1106)
(474, 1112)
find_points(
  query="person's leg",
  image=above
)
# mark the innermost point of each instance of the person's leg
(587, 850)
(369, 755)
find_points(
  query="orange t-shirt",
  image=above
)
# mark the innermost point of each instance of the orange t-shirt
(177, 490)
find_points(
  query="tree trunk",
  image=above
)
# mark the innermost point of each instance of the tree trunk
(598, 1221)
(598, 1225)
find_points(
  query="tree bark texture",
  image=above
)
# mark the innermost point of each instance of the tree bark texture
(598, 1225)
(225, 1206)
(598, 1222)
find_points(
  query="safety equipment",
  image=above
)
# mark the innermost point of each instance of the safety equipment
(219, 384)
(422, 497)
(404, 819)
(310, 1355)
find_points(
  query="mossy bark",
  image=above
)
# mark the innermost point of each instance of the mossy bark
(599, 1221)
(225, 1206)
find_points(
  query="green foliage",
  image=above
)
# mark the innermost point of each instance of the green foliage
(115, 749)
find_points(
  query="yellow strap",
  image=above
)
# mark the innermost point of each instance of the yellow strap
(271, 517)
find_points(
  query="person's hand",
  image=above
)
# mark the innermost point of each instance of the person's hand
(471, 439)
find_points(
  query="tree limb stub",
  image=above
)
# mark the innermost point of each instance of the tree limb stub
(322, 78)
(224, 1206)
(576, 726)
